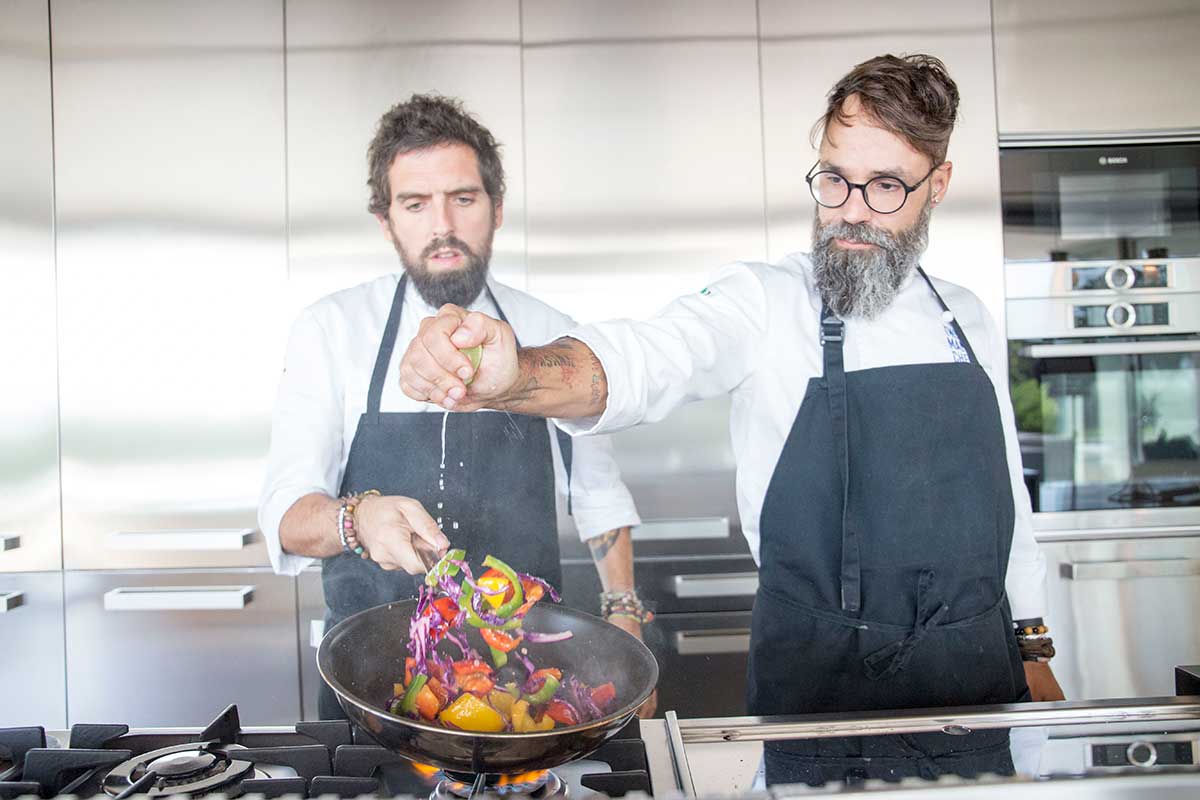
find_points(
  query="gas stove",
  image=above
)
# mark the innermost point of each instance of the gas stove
(307, 760)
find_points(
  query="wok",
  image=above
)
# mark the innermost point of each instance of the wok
(362, 656)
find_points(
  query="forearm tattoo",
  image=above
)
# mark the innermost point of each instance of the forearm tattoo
(600, 545)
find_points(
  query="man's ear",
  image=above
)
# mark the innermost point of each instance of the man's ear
(498, 215)
(940, 181)
(387, 229)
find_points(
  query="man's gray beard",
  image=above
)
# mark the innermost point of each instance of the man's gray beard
(460, 286)
(863, 283)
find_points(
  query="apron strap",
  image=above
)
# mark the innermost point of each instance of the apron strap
(832, 336)
(892, 658)
(566, 447)
(384, 357)
(962, 337)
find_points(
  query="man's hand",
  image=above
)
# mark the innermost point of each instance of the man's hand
(434, 369)
(645, 710)
(388, 528)
(1043, 685)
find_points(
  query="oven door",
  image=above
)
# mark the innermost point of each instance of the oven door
(1109, 426)
(1101, 201)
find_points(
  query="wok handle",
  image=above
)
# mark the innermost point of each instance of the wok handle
(713, 642)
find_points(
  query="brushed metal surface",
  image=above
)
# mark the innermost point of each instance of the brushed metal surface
(29, 480)
(1122, 635)
(310, 601)
(33, 689)
(1053, 278)
(349, 63)
(644, 174)
(181, 667)
(1096, 65)
(1053, 317)
(808, 45)
(169, 154)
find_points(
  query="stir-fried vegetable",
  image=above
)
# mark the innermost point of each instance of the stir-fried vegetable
(468, 692)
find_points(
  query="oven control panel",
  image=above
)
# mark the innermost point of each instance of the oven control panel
(1151, 752)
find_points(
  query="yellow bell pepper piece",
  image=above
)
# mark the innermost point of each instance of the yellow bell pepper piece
(502, 701)
(498, 585)
(522, 722)
(470, 713)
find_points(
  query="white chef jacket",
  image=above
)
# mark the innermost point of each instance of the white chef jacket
(753, 333)
(323, 392)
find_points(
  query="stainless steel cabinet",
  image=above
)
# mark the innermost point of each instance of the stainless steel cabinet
(1123, 614)
(174, 648)
(169, 156)
(29, 486)
(311, 626)
(701, 662)
(1094, 66)
(32, 677)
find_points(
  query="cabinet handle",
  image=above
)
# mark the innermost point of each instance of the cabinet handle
(729, 584)
(177, 598)
(198, 539)
(9, 541)
(669, 530)
(316, 632)
(1116, 570)
(10, 601)
(718, 640)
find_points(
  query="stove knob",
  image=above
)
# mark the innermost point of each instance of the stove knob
(1142, 754)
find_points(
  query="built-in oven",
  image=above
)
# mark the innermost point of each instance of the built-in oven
(1102, 275)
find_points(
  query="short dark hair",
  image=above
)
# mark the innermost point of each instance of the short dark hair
(423, 121)
(912, 96)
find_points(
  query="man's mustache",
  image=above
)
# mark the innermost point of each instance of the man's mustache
(855, 232)
(443, 242)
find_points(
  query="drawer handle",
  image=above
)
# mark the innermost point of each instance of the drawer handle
(718, 640)
(10, 601)
(729, 584)
(316, 632)
(9, 541)
(1116, 570)
(178, 598)
(669, 530)
(198, 539)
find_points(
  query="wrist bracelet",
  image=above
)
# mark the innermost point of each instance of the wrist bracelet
(625, 604)
(347, 523)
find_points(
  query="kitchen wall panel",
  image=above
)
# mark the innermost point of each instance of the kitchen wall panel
(347, 64)
(1091, 66)
(644, 165)
(29, 483)
(808, 46)
(169, 148)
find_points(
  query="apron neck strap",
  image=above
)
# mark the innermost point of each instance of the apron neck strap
(386, 347)
(833, 336)
(962, 336)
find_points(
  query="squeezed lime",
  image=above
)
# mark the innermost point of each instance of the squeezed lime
(475, 356)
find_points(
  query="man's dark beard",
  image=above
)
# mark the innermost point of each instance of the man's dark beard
(459, 286)
(862, 283)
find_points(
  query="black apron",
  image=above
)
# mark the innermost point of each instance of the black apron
(885, 539)
(496, 491)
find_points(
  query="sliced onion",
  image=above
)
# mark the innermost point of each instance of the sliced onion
(546, 638)
(553, 595)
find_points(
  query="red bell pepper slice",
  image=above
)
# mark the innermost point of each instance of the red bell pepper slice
(477, 684)
(603, 695)
(470, 667)
(500, 640)
(562, 713)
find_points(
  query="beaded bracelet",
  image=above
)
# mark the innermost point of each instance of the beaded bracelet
(347, 523)
(625, 604)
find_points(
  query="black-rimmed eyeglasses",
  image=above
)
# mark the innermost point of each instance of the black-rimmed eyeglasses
(884, 194)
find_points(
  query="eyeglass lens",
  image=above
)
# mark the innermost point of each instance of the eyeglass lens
(883, 194)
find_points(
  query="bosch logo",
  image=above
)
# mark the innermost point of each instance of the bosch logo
(1106, 161)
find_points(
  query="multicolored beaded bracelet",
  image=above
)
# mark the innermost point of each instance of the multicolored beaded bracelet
(348, 524)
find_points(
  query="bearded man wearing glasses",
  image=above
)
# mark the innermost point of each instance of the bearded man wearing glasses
(879, 480)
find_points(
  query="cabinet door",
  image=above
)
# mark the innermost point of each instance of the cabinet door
(701, 662)
(175, 648)
(29, 488)
(1122, 614)
(32, 677)
(169, 190)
